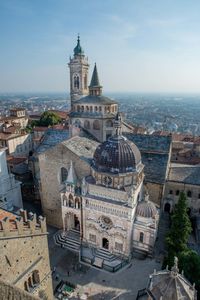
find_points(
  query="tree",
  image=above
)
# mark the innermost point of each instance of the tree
(179, 231)
(189, 262)
(49, 118)
(180, 226)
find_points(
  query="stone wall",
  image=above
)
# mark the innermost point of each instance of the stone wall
(172, 192)
(50, 164)
(8, 291)
(156, 192)
(24, 259)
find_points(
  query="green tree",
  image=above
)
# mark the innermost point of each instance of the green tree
(49, 118)
(180, 226)
(189, 262)
(180, 230)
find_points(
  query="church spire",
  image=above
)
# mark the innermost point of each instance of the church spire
(95, 88)
(78, 50)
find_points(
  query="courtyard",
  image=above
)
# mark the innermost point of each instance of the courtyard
(98, 284)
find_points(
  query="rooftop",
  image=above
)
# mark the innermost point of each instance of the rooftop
(187, 174)
(150, 143)
(155, 155)
(170, 285)
(82, 147)
(92, 99)
(51, 138)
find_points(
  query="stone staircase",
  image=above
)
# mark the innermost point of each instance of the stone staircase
(104, 254)
(69, 240)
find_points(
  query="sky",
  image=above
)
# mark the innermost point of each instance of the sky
(138, 45)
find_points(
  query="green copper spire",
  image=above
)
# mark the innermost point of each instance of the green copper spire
(78, 50)
(95, 78)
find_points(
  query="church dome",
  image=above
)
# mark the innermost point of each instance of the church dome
(116, 155)
(146, 209)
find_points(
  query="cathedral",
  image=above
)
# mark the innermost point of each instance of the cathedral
(105, 208)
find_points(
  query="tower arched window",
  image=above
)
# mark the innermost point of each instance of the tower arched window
(76, 82)
(63, 175)
(189, 194)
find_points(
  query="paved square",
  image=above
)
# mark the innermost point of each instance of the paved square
(122, 285)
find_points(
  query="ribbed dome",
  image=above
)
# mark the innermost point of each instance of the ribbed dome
(146, 209)
(116, 155)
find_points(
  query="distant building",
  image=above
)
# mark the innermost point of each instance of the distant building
(10, 189)
(24, 261)
(16, 144)
(17, 117)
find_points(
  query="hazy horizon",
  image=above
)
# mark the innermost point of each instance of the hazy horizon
(139, 46)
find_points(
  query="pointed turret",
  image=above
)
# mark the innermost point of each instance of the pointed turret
(71, 178)
(95, 88)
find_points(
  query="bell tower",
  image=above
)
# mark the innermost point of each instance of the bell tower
(79, 67)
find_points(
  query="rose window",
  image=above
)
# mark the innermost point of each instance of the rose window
(105, 222)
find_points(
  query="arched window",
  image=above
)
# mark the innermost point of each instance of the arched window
(71, 200)
(87, 108)
(36, 277)
(76, 82)
(171, 192)
(30, 283)
(141, 237)
(77, 203)
(78, 108)
(189, 194)
(26, 286)
(96, 108)
(177, 192)
(91, 109)
(100, 108)
(63, 174)
(96, 125)
(109, 123)
(82, 108)
(87, 124)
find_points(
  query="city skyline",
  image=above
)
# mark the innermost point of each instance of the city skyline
(138, 47)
